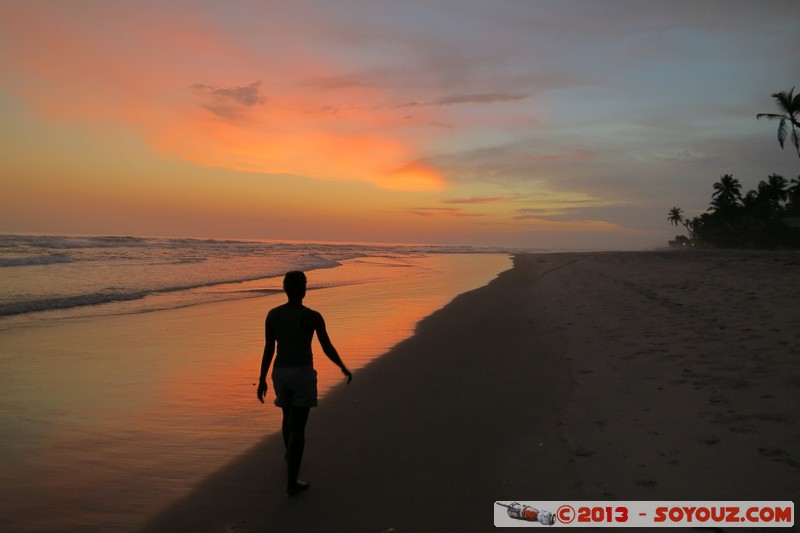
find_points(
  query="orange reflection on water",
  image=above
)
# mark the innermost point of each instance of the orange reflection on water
(368, 305)
(143, 406)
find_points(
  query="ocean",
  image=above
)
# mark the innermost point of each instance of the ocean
(128, 364)
(87, 275)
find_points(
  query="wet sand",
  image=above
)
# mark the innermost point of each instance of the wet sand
(603, 376)
(105, 419)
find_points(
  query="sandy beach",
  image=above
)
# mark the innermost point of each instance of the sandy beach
(600, 376)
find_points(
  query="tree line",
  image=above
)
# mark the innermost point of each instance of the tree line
(766, 217)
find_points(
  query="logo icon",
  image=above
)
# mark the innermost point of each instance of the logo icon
(565, 514)
(528, 513)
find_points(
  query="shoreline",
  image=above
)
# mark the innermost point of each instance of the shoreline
(585, 376)
(107, 419)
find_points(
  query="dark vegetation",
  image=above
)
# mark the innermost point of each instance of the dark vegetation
(767, 217)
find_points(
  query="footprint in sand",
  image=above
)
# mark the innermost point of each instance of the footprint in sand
(779, 455)
(671, 459)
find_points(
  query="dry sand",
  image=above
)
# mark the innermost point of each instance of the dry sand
(603, 376)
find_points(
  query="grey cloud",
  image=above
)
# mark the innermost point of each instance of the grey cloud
(441, 212)
(230, 102)
(486, 98)
(621, 214)
(484, 200)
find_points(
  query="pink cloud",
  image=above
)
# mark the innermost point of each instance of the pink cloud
(190, 90)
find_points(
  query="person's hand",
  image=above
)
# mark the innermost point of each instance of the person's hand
(262, 391)
(347, 374)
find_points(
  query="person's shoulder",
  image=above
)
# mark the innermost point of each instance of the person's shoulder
(275, 310)
(316, 315)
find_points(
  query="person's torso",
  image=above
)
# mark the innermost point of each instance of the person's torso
(293, 327)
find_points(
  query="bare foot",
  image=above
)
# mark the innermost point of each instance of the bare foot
(297, 488)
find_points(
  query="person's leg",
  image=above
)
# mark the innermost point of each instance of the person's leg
(285, 428)
(298, 416)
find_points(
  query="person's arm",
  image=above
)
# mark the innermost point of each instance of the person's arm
(327, 347)
(266, 359)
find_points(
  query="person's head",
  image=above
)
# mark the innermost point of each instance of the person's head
(294, 285)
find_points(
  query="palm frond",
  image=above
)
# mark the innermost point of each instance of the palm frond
(784, 100)
(788, 102)
(675, 215)
(782, 131)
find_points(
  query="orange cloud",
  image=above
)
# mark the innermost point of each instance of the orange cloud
(281, 138)
(192, 92)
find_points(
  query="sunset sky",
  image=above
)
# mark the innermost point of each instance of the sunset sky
(526, 123)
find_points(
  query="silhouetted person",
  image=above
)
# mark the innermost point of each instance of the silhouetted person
(292, 326)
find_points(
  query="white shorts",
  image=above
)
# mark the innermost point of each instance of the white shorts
(295, 386)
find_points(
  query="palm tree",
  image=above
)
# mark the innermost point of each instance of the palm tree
(675, 217)
(779, 185)
(793, 195)
(727, 194)
(789, 103)
(773, 192)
